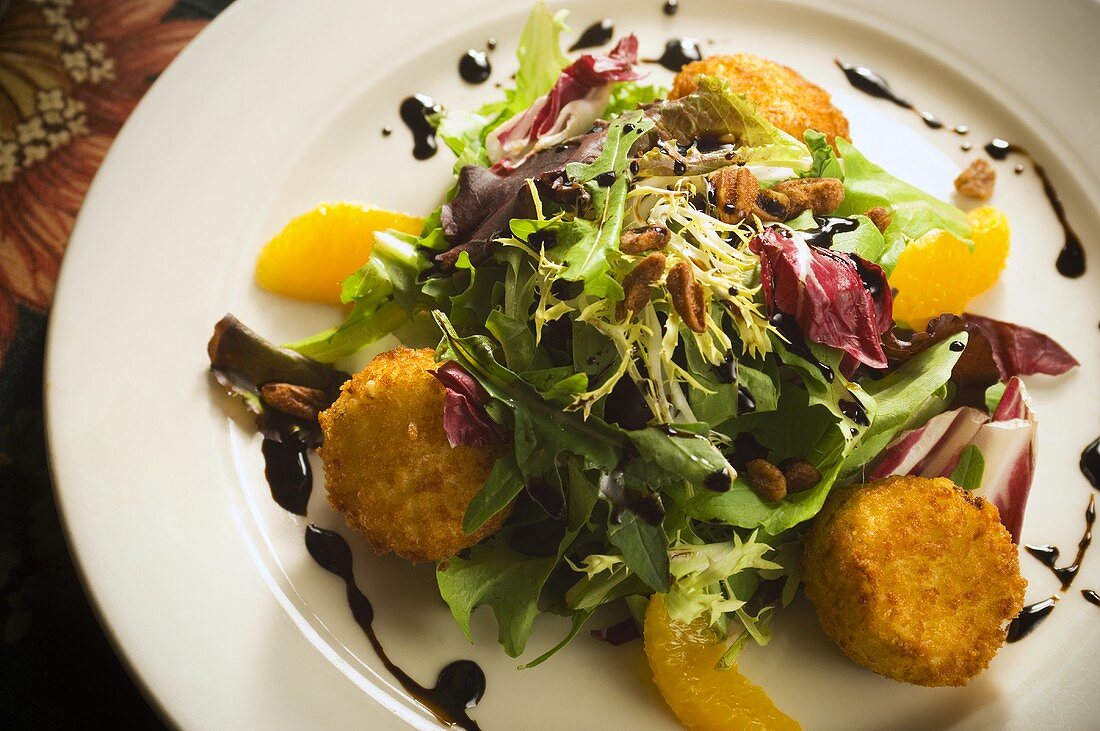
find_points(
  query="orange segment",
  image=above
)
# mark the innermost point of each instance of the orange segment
(683, 659)
(316, 251)
(937, 273)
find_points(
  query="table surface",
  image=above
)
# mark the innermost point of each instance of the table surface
(71, 71)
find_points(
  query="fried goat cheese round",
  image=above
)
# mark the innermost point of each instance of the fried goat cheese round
(914, 578)
(781, 94)
(389, 467)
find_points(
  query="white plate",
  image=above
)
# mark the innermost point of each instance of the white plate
(204, 584)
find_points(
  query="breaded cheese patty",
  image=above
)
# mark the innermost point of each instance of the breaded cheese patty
(781, 94)
(389, 467)
(913, 578)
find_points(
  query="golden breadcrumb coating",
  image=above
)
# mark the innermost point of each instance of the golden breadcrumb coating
(389, 467)
(780, 94)
(913, 578)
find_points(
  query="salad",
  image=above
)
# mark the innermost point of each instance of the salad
(667, 329)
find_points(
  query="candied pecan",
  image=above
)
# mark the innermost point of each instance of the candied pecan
(298, 401)
(738, 196)
(687, 296)
(820, 195)
(766, 480)
(799, 474)
(977, 180)
(643, 239)
(638, 283)
(880, 217)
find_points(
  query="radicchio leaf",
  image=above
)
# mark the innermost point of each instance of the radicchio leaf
(996, 351)
(243, 363)
(619, 633)
(487, 198)
(464, 417)
(576, 101)
(838, 299)
(1006, 441)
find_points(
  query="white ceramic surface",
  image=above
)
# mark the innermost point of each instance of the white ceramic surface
(204, 584)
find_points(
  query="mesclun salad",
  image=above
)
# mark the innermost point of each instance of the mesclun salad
(668, 331)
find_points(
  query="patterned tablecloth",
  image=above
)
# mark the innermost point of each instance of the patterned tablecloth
(71, 71)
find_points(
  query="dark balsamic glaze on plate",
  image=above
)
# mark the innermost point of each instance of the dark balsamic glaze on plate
(474, 67)
(871, 82)
(288, 474)
(595, 35)
(460, 685)
(678, 52)
(415, 113)
(854, 410)
(670, 7)
(1091, 596)
(1048, 555)
(387, 131)
(1071, 259)
(491, 44)
(1028, 618)
(1090, 463)
(827, 228)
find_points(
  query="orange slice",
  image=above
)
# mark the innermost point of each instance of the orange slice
(318, 250)
(937, 273)
(683, 658)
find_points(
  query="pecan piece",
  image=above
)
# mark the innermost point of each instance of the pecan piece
(638, 284)
(766, 480)
(977, 180)
(880, 217)
(820, 195)
(799, 474)
(643, 239)
(738, 196)
(687, 296)
(300, 402)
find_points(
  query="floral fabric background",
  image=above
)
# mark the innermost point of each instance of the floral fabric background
(71, 71)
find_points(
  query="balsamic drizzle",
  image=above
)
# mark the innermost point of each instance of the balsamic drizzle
(460, 685)
(595, 35)
(678, 52)
(474, 67)
(1071, 259)
(670, 7)
(871, 82)
(1048, 555)
(1091, 596)
(827, 228)
(288, 474)
(1090, 463)
(1028, 618)
(415, 113)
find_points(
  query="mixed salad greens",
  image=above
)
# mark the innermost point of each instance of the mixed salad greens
(629, 387)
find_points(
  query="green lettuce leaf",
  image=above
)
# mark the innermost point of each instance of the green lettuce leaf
(968, 472)
(626, 96)
(913, 212)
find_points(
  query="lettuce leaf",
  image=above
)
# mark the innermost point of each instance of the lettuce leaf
(913, 212)
(626, 96)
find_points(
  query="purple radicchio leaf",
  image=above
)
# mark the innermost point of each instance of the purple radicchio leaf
(619, 633)
(488, 198)
(838, 299)
(464, 417)
(1006, 441)
(571, 107)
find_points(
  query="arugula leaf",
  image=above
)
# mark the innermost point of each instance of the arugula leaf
(906, 398)
(691, 457)
(579, 619)
(583, 245)
(501, 577)
(968, 472)
(644, 547)
(500, 488)
(913, 212)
